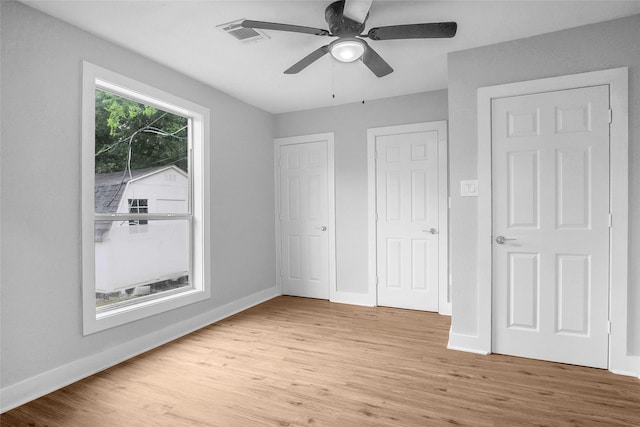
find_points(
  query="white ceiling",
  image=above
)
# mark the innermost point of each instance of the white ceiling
(182, 34)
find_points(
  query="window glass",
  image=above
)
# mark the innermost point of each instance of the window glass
(139, 150)
(138, 206)
(129, 267)
(141, 167)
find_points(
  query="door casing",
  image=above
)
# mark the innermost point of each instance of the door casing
(617, 79)
(444, 299)
(331, 226)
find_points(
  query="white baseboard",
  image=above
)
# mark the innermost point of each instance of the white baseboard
(468, 343)
(625, 373)
(39, 385)
(353, 298)
(467, 350)
(627, 365)
(445, 311)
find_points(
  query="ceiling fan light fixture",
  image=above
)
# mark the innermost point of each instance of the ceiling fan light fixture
(347, 50)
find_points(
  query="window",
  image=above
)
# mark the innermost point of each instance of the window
(145, 200)
(138, 206)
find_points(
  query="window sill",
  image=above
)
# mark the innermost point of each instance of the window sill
(121, 315)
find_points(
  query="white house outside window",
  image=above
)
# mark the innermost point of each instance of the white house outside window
(144, 197)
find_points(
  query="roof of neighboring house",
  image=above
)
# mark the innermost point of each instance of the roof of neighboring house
(109, 188)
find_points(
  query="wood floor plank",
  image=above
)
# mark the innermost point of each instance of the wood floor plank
(303, 362)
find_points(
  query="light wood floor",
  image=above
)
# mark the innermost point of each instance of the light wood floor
(295, 361)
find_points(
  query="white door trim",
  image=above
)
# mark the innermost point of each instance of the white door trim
(331, 196)
(444, 302)
(617, 79)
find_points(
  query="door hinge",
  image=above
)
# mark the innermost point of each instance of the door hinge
(609, 327)
(610, 115)
(377, 280)
(610, 220)
(449, 202)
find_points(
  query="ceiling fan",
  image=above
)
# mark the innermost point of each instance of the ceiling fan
(346, 21)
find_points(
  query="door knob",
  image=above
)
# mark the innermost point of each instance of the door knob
(322, 228)
(431, 230)
(501, 239)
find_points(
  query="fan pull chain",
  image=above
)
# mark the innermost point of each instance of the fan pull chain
(362, 80)
(333, 80)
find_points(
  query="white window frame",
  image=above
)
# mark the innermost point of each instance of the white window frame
(95, 77)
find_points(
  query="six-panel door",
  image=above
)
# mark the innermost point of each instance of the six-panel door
(407, 222)
(551, 225)
(304, 220)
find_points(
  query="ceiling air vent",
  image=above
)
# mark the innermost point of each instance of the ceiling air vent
(245, 35)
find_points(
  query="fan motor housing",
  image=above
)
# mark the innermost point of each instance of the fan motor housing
(340, 25)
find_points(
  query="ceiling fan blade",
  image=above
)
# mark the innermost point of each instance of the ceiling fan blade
(357, 10)
(283, 27)
(374, 62)
(308, 60)
(414, 31)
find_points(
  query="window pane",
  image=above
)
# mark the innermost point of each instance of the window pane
(141, 155)
(139, 260)
(138, 206)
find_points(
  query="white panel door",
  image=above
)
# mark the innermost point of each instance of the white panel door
(304, 220)
(407, 226)
(551, 225)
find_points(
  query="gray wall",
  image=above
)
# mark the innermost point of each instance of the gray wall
(349, 124)
(41, 313)
(594, 47)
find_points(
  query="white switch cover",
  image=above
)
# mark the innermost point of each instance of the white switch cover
(469, 188)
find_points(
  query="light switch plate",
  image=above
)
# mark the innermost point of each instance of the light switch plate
(469, 188)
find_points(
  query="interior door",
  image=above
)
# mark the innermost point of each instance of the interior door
(407, 220)
(551, 225)
(304, 220)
